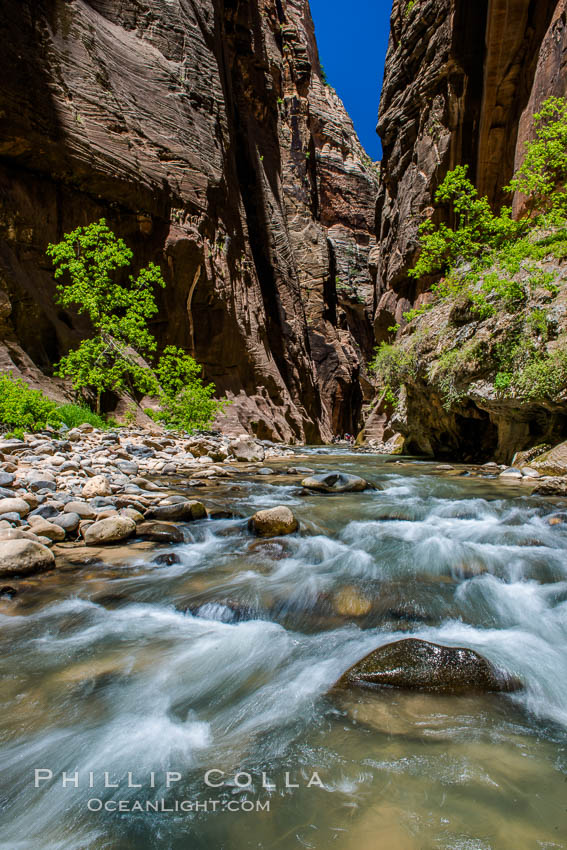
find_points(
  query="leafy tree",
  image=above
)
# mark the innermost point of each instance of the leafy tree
(88, 263)
(476, 227)
(543, 173)
(185, 401)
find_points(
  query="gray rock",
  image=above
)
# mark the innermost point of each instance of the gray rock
(511, 472)
(11, 516)
(24, 557)
(245, 449)
(128, 467)
(45, 511)
(69, 522)
(6, 479)
(336, 482)
(42, 484)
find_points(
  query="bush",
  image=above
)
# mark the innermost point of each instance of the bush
(185, 402)
(25, 409)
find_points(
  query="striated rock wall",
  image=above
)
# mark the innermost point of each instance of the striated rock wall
(202, 131)
(461, 83)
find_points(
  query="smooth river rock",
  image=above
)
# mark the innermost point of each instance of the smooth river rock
(273, 522)
(415, 664)
(160, 532)
(109, 530)
(14, 506)
(24, 557)
(99, 485)
(335, 482)
(180, 511)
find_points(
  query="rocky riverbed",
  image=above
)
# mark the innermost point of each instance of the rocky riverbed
(62, 495)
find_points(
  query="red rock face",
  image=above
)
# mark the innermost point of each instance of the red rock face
(462, 81)
(203, 133)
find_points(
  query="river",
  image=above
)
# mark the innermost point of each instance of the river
(216, 668)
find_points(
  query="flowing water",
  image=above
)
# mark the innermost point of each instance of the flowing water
(223, 662)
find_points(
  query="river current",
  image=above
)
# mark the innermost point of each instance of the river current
(206, 681)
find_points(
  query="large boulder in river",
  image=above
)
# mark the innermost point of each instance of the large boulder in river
(273, 522)
(110, 530)
(24, 557)
(336, 482)
(418, 665)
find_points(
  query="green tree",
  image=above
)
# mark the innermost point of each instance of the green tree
(543, 173)
(476, 227)
(89, 264)
(185, 401)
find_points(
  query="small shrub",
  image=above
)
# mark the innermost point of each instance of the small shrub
(23, 408)
(186, 403)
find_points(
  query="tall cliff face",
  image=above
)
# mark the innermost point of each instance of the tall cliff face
(202, 131)
(462, 81)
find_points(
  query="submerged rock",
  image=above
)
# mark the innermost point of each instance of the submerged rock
(336, 482)
(24, 557)
(419, 665)
(273, 522)
(351, 602)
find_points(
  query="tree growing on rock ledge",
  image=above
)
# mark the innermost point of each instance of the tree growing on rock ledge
(89, 267)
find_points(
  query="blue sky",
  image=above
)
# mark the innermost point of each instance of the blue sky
(353, 36)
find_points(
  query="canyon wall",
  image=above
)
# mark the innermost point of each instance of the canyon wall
(203, 132)
(462, 82)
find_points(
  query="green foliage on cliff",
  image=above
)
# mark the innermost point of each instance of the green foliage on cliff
(23, 409)
(89, 265)
(494, 266)
(476, 227)
(543, 173)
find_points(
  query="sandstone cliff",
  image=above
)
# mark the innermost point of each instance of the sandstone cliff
(462, 82)
(202, 131)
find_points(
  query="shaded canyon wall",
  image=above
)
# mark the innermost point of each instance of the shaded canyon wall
(202, 131)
